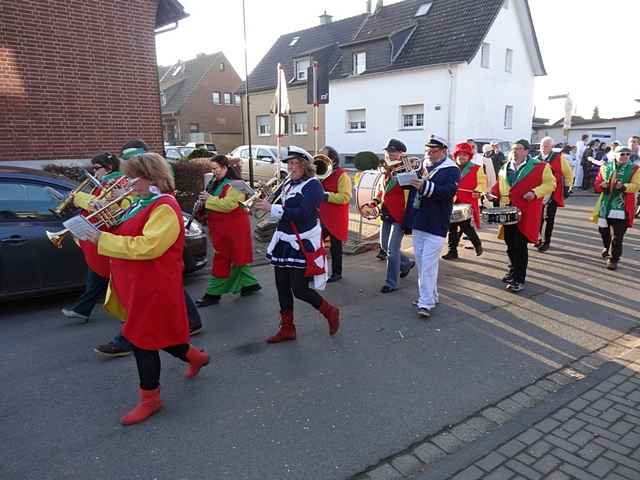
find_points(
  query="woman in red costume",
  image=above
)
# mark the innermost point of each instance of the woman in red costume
(146, 279)
(230, 233)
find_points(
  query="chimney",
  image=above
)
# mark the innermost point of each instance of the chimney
(378, 7)
(325, 18)
(368, 7)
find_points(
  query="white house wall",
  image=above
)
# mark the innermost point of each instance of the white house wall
(483, 93)
(619, 130)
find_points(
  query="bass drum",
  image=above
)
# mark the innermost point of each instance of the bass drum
(370, 185)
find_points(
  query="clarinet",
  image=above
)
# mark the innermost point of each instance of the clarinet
(198, 205)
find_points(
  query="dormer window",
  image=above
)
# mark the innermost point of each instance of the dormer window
(359, 63)
(423, 9)
(294, 40)
(177, 70)
(301, 66)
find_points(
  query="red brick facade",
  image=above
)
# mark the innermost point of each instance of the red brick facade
(77, 77)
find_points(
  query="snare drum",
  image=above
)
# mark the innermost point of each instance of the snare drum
(502, 215)
(370, 184)
(460, 213)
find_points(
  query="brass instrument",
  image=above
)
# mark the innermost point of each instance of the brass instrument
(324, 166)
(266, 191)
(404, 165)
(68, 201)
(108, 215)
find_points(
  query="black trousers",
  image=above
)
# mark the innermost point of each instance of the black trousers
(336, 253)
(518, 252)
(148, 362)
(290, 283)
(586, 177)
(95, 289)
(549, 218)
(456, 230)
(614, 243)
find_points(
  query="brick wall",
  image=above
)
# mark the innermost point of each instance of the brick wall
(76, 77)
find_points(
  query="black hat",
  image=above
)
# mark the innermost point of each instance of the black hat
(436, 142)
(524, 143)
(395, 146)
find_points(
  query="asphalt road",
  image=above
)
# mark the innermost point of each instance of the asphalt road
(321, 407)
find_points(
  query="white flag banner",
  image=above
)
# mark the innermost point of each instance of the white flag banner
(280, 106)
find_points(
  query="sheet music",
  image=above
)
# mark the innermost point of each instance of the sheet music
(405, 178)
(80, 227)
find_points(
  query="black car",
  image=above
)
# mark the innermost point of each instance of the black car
(30, 264)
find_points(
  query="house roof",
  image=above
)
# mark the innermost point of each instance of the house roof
(451, 32)
(169, 11)
(577, 120)
(178, 81)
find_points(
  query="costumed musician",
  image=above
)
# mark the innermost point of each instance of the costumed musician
(430, 206)
(296, 250)
(106, 170)
(393, 201)
(119, 346)
(334, 211)
(146, 279)
(230, 233)
(617, 182)
(472, 184)
(523, 182)
(563, 173)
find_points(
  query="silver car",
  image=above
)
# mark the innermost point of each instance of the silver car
(264, 160)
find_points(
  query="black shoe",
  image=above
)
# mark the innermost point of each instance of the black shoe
(450, 255)
(207, 300)
(612, 265)
(387, 289)
(515, 287)
(604, 253)
(246, 291)
(334, 278)
(408, 270)
(508, 278)
(479, 250)
(111, 350)
(195, 329)
(543, 247)
(382, 255)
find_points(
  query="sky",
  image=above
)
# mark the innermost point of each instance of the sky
(589, 47)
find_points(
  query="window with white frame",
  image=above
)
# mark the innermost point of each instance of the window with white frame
(163, 99)
(508, 117)
(299, 121)
(227, 99)
(301, 66)
(264, 125)
(356, 120)
(215, 96)
(411, 116)
(236, 99)
(294, 40)
(485, 56)
(423, 9)
(359, 63)
(221, 67)
(508, 61)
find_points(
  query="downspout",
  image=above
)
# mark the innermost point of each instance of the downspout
(451, 111)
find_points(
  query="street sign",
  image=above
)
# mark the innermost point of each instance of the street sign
(322, 84)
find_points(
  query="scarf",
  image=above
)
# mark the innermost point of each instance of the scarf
(614, 199)
(514, 175)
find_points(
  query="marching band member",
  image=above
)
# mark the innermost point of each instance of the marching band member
(296, 247)
(472, 184)
(230, 233)
(394, 201)
(119, 346)
(522, 182)
(563, 173)
(431, 204)
(334, 211)
(146, 279)
(107, 169)
(617, 182)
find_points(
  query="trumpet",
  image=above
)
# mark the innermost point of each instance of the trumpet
(404, 165)
(324, 166)
(68, 200)
(109, 215)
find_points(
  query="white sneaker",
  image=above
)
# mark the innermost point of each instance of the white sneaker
(424, 312)
(73, 314)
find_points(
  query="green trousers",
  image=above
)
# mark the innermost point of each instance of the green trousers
(239, 278)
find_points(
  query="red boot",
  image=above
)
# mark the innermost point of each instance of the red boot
(332, 314)
(287, 330)
(149, 404)
(197, 360)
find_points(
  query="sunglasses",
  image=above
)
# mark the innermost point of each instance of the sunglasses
(624, 154)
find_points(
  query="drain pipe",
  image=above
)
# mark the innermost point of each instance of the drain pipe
(451, 109)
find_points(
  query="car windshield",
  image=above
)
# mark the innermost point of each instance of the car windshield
(28, 200)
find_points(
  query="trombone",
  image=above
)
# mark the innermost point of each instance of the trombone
(109, 215)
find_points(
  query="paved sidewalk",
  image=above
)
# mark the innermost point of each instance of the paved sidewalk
(586, 429)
